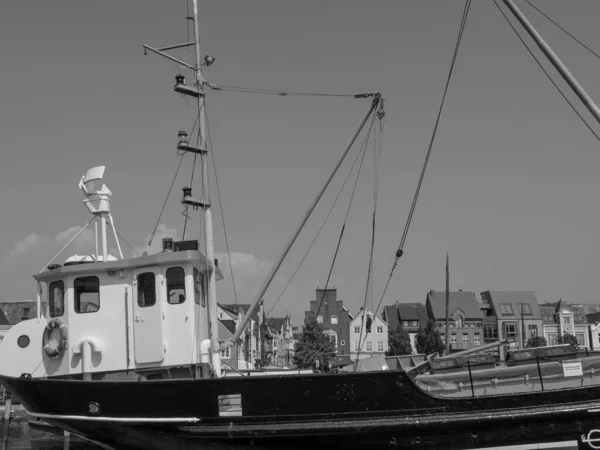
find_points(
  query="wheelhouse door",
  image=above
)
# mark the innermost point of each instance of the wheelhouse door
(147, 316)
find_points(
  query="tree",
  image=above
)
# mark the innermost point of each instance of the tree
(536, 341)
(568, 339)
(429, 339)
(399, 342)
(312, 345)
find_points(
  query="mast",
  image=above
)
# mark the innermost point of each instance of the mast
(447, 303)
(377, 101)
(555, 60)
(207, 215)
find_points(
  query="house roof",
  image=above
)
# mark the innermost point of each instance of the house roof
(550, 310)
(593, 317)
(508, 304)
(229, 324)
(405, 311)
(241, 309)
(18, 311)
(464, 300)
(276, 323)
(358, 317)
(224, 332)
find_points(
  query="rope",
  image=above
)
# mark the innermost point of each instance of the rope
(164, 205)
(209, 148)
(122, 238)
(400, 250)
(547, 74)
(318, 232)
(246, 90)
(562, 29)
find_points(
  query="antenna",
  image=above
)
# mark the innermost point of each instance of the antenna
(98, 203)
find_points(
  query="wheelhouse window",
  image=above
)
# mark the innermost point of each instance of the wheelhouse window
(175, 285)
(199, 288)
(87, 294)
(56, 299)
(146, 289)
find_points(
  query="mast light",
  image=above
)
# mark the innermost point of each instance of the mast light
(208, 60)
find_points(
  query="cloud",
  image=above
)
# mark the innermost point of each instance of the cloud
(162, 231)
(249, 272)
(27, 244)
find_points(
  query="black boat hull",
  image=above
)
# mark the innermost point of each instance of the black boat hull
(373, 410)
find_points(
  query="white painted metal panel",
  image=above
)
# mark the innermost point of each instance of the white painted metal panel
(147, 316)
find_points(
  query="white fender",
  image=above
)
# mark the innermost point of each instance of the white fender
(205, 351)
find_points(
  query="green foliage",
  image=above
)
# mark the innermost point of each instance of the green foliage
(399, 342)
(429, 339)
(568, 339)
(313, 344)
(536, 341)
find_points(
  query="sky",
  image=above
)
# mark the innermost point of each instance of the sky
(511, 192)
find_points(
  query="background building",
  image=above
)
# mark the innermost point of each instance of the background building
(560, 318)
(465, 318)
(411, 316)
(373, 339)
(334, 317)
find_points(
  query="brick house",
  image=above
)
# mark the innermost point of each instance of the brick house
(465, 318)
(334, 317)
(411, 316)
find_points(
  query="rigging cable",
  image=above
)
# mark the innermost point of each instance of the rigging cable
(377, 159)
(547, 74)
(209, 148)
(247, 90)
(400, 250)
(193, 170)
(318, 232)
(563, 29)
(163, 207)
(364, 152)
(122, 238)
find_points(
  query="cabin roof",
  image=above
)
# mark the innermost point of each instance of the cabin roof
(132, 263)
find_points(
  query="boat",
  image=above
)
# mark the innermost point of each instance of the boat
(128, 357)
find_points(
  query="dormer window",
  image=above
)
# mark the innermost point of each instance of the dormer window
(175, 285)
(566, 320)
(56, 299)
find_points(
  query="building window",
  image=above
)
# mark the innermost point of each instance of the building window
(225, 353)
(146, 289)
(379, 346)
(333, 339)
(199, 288)
(532, 330)
(25, 314)
(342, 342)
(356, 330)
(510, 331)
(566, 320)
(506, 309)
(525, 309)
(459, 322)
(320, 319)
(334, 320)
(490, 332)
(477, 339)
(56, 299)
(87, 294)
(580, 339)
(453, 338)
(552, 338)
(274, 344)
(369, 346)
(465, 338)
(406, 323)
(379, 329)
(355, 346)
(175, 285)
(443, 336)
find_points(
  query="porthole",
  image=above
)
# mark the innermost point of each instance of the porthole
(94, 408)
(23, 341)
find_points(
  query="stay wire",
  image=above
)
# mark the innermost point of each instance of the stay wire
(164, 205)
(222, 213)
(364, 152)
(563, 29)
(122, 238)
(318, 232)
(400, 250)
(589, 127)
(187, 217)
(283, 93)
